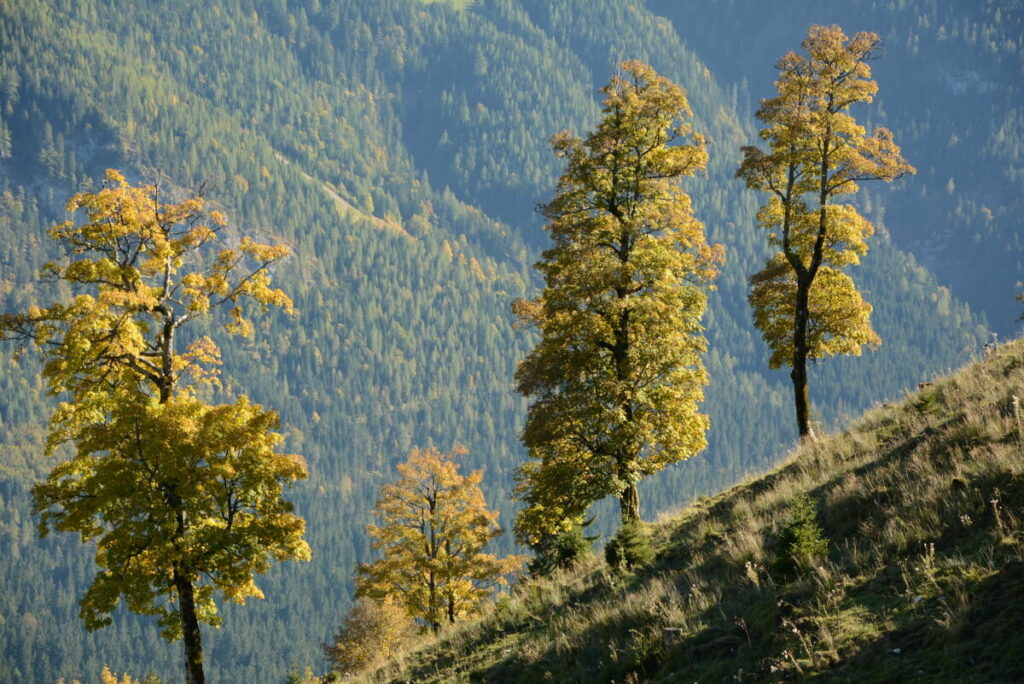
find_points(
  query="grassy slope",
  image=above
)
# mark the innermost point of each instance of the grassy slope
(922, 503)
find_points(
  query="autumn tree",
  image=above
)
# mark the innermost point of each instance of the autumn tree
(183, 498)
(434, 525)
(372, 632)
(804, 304)
(616, 378)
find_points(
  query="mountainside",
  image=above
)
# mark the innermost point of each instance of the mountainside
(921, 508)
(951, 91)
(399, 148)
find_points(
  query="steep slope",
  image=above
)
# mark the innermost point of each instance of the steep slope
(399, 147)
(922, 507)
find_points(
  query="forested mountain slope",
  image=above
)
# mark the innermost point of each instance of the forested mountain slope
(890, 551)
(399, 148)
(951, 76)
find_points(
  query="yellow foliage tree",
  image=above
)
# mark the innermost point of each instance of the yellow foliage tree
(183, 498)
(616, 378)
(372, 632)
(434, 525)
(804, 305)
(108, 677)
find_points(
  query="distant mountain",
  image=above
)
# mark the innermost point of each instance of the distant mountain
(400, 148)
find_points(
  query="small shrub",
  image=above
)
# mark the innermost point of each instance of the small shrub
(559, 551)
(629, 549)
(928, 402)
(801, 542)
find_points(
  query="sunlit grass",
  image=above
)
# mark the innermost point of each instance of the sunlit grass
(922, 505)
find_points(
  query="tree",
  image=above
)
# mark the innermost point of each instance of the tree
(434, 525)
(804, 305)
(371, 633)
(617, 375)
(183, 497)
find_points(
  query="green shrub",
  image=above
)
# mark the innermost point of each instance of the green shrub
(629, 549)
(801, 542)
(559, 551)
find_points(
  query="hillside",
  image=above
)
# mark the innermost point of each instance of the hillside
(922, 507)
(400, 148)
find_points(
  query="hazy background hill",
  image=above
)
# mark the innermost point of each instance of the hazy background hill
(399, 148)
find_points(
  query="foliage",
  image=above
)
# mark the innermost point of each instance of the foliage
(183, 497)
(629, 549)
(559, 551)
(372, 632)
(616, 377)
(838, 318)
(804, 306)
(108, 677)
(434, 525)
(801, 542)
(923, 576)
(334, 126)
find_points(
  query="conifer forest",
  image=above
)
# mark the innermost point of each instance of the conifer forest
(329, 328)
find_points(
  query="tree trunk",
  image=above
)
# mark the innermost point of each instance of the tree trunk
(629, 505)
(801, 395)
(190, 629)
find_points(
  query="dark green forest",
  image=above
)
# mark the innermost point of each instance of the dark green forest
(399, 148)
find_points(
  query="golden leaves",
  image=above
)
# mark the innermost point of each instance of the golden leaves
(838, 317)
(163, 480)
(218, 463)
(816, 153)
(434, 526)
(616, 377)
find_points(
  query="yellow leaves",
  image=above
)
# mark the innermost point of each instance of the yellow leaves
(372, 632)
(434, 526)
(237, 593)
(220, 464)
(140, 260)
(239, 324)
(115, 177)
(619, 318)
(262, 252)
(839, 318)
(803, 305)
(161, 480)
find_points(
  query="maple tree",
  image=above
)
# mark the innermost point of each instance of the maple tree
(804, 304)
(434, 525)
(616, 377)
(184, 498)
(371, 634)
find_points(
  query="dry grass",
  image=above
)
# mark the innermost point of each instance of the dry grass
(922, 504)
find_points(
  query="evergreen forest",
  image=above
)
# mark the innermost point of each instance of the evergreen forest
(400, 149)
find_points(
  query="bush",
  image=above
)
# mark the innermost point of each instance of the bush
(801, 542)
(560, 551)
(629, 549)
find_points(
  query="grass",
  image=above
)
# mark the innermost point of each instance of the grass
(921, 504)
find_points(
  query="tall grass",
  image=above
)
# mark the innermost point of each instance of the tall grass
(921, 504)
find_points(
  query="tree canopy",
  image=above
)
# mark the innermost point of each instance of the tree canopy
(804, 305)
(434, 525)
(183, 497)
(616, 377)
